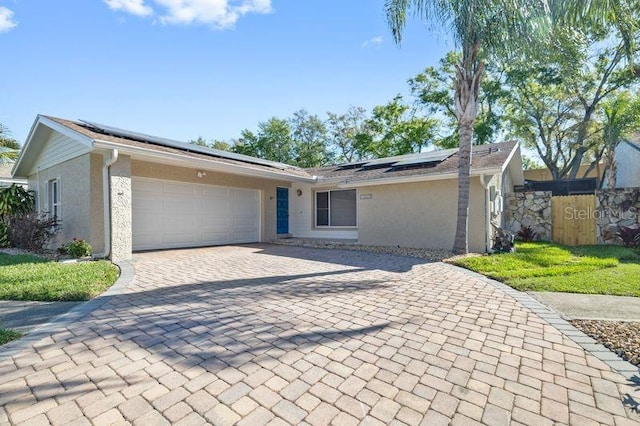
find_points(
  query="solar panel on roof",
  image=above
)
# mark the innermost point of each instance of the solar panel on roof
(389, 160)
(427, 157)
(142, 137)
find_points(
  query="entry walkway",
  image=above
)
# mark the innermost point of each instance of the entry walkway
(275, 334)
(591, 306)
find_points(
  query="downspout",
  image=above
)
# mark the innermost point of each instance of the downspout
(106, 202)
(487, 212)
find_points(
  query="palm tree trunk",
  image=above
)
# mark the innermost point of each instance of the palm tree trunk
(461, 242)
(468, 76)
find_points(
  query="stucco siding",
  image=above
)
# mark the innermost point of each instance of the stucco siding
(121, 235)
(301, 216)
(421, 214)
(266, 187)
(75, 195)
(628, 159)
(57, 149)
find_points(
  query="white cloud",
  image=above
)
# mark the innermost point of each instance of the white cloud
(6, 20)
(217, 13)
(374, 41)
(134, 7)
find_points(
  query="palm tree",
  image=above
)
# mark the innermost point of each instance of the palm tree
(9, 147)
(621, 119)
(489, 30)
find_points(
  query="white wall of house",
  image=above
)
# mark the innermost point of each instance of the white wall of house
(628, 159)
(302, 216)
(419, 214)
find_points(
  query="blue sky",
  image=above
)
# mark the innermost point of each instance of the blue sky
(211, 69)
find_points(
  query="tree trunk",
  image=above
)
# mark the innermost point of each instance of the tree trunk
(468, 76)
(461, 242)
(611, 167)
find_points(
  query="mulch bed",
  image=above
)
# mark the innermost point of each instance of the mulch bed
(621, 337)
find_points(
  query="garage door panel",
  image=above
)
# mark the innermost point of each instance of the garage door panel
(214, 192)
(180, 205)
(179, 238)
(243, 200)
(214, 223)
(214, 238)
(179, 188)
(174, 214)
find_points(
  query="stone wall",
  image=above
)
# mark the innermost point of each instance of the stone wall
(616, 207)
(529, 209)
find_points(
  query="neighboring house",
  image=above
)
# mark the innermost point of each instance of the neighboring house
(627, 155)
(126, 191)
(5, 175)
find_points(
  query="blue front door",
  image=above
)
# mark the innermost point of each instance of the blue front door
(282, 203)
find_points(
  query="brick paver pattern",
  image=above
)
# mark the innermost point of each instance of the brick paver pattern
(284, 335)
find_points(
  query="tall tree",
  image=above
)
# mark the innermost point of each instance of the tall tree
(556, 101)
(395, 129)
(310, 140)
(434, 90)
(273, 141)
(215, 143)
(481, 29)
(345, 131)
(622, 119)
(487, 30)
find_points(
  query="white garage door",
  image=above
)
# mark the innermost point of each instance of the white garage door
(169, 214)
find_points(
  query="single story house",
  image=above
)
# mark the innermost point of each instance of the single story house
(627, 157)
(125, 191)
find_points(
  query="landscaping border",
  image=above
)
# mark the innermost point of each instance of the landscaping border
(127, 273)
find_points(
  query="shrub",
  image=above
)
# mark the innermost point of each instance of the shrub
(14, 201)
(4, 236)
(630, 236)
(30, 231)
(526, 234)
(77, 248)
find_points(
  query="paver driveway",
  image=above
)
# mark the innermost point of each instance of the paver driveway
(260, 334)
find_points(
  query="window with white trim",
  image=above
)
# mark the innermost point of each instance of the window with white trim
(336, 208)
(52, 201)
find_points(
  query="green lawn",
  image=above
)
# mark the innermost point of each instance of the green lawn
(7, 335)
(551, 267)
(25, 277)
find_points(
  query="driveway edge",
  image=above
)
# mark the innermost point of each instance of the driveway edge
(127, 273)
(596, 349)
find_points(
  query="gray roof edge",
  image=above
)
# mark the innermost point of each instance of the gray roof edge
(632, 144)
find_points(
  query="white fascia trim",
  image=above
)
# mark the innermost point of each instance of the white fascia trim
(410, 179)
(191, 162)
(84, 140)
(510, 157)
(53, 126)
(26, 145)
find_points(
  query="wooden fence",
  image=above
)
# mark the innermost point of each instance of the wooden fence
(573, 219)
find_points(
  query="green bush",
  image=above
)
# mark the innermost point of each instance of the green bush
(78, 248)
(15, 201)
